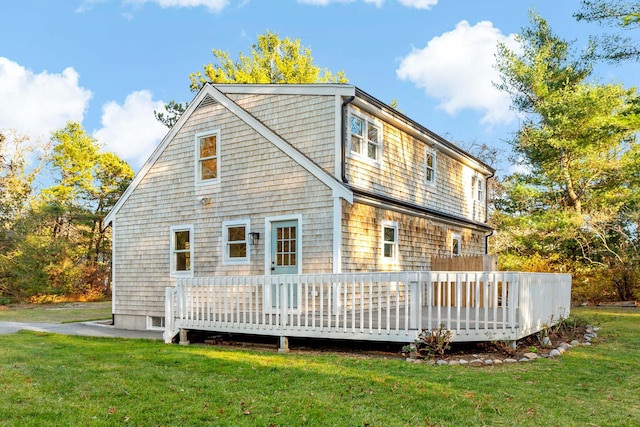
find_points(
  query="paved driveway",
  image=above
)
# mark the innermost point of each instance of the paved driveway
(89, 329)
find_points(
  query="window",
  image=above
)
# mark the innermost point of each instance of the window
(477, 188)
(429, 166)
(155, 322)
(235, 241)
(182, 251)
(456, 244)
(208, 157)
(366, 138)
(389, 241)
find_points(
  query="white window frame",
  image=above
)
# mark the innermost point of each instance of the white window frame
(428, 151)
(226, 257)
(172, 232)
(364, 153)
(458, 237)
(478, 188)
(152, 319)
(197, 159)
(393, 225)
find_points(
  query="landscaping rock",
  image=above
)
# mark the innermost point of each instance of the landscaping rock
(530, 356)
(575, 343)
(564, 345)
(463, 362)
(546, 341)
(442, 362)
(554, 353)
(488, 362)
(476, 362)
(509, 360)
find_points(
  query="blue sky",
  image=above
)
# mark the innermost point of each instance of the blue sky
(110, 63)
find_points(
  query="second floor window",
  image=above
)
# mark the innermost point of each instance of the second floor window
(477, 188)
(207, 157)
(366, 138)
(429, 166)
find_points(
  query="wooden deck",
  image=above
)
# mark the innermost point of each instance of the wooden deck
(393, 307)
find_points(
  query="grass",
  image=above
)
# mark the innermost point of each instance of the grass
(48, 379)
(56, 313)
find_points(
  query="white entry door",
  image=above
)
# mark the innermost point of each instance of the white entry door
(285, 256)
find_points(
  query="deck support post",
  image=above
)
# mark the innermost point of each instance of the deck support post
(283, 346)
(183, 337)
(513, 344)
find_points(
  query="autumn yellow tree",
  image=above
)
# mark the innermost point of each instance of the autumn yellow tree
(272, 60)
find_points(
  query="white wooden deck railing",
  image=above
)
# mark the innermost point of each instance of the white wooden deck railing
(394, 306)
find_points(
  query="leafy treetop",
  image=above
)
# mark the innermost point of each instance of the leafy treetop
(273, 60)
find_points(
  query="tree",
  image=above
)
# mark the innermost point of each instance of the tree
(15, 180)
(622, 14)
(272, 60)
(173, 111)
(16, 188)
(573, 205)
(89, 183)
(58, 243)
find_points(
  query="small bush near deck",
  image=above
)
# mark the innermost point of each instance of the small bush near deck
(433, 342)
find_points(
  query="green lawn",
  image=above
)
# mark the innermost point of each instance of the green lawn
(48, 380)
(56, 313)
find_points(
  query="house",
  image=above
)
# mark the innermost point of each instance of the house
(290, 179)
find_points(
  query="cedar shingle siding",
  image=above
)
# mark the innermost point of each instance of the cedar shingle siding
(258, 180)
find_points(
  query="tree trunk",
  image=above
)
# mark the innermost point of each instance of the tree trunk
(572, 196)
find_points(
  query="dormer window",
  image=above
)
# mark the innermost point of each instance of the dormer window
(365, 138)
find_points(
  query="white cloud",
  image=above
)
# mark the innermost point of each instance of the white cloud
(457, 68)
(212, 5)
(37, 104)
(419, 4)
(131, 130)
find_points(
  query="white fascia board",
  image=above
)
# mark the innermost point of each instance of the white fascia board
(337, 188)
(155, 155)
(418, 134)
(287, 89)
